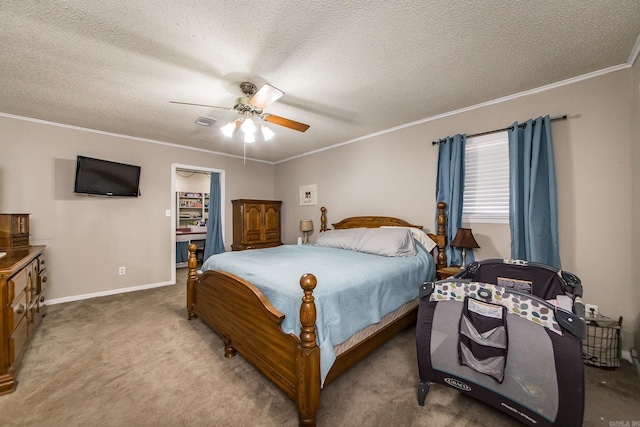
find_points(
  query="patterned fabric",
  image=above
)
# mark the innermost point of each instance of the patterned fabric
(520, 305)
(483, 338)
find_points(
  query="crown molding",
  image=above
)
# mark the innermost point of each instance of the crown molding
(484, 104)
(134, 138)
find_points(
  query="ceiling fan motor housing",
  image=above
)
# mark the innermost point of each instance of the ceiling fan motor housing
(243, 106)
(248, 88)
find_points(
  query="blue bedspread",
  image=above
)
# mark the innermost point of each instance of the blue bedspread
(354, 289)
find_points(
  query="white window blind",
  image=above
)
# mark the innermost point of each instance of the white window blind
(486, 183)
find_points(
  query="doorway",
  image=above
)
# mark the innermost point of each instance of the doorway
(194, 180)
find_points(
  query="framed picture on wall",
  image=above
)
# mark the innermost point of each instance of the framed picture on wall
(308, 195)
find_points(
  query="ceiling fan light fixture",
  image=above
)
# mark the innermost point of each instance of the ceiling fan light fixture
(227, 130)
(248, 127)
(267, 133)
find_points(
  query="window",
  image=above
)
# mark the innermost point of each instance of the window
(486, 182)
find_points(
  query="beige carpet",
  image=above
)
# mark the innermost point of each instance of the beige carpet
(134, 360)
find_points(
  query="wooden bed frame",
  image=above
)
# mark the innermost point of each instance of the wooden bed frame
(248, 323)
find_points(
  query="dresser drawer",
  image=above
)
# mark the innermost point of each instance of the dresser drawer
(15, 242)
(19, 282)
(41, 305)
(18, 341)
(17, 310)
(41, 282)
(42, 262)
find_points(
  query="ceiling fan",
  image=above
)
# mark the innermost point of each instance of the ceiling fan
(252, 105)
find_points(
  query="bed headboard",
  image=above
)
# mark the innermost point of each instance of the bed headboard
(379, 221)
(372, 222)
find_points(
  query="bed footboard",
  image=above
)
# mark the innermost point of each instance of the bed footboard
(248, 323)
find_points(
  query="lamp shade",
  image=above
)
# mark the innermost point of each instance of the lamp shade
(306, 225)
(464, 239)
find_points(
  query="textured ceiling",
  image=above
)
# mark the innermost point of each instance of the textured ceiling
(348, 68)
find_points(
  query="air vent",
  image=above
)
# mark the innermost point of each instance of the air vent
(205, 121)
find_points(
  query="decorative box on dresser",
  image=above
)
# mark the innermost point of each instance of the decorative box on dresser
(256, 224)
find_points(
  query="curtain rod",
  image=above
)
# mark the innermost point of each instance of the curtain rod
(191, 172)
(553, 119)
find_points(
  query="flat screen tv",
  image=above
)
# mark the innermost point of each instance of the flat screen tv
(105, 178)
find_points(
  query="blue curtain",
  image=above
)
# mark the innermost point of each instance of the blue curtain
(182, 252)
(450, 189)
(214, 243)
(533, 208)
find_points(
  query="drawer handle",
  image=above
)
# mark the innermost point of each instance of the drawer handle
(21, 308)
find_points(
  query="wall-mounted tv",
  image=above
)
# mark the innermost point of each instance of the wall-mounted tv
(106, 178)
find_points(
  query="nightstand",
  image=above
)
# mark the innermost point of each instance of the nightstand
(446, 272)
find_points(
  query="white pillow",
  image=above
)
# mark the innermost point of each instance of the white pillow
(419, 235)
(377, 241)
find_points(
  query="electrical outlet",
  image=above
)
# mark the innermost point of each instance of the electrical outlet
(167, 212)
(591, 310)
(121, 270)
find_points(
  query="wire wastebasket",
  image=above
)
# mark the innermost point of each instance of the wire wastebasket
(601, 347)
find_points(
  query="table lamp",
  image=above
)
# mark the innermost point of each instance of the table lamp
(464, 239)
(306, 225)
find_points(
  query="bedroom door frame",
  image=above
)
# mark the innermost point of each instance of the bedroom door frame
(174, 168)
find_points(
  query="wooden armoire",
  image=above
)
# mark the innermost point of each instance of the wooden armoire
(256, 224)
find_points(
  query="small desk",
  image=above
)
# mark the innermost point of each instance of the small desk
(447, 272)
(188, 236)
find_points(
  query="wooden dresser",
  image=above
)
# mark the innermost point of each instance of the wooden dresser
(23, 276)
(256, 224)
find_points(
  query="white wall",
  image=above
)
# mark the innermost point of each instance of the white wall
(88, 238)
(395, 173)
(192, 181)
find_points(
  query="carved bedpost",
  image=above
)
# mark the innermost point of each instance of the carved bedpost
(191, 280)
(442, 235)
(308, 387)
(323, 219)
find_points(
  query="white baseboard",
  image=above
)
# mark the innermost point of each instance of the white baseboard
(105, 293)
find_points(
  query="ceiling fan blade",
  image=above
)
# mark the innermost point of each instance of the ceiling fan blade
(285, 122)
(238, 124)
(265, 96)
(201, 105)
